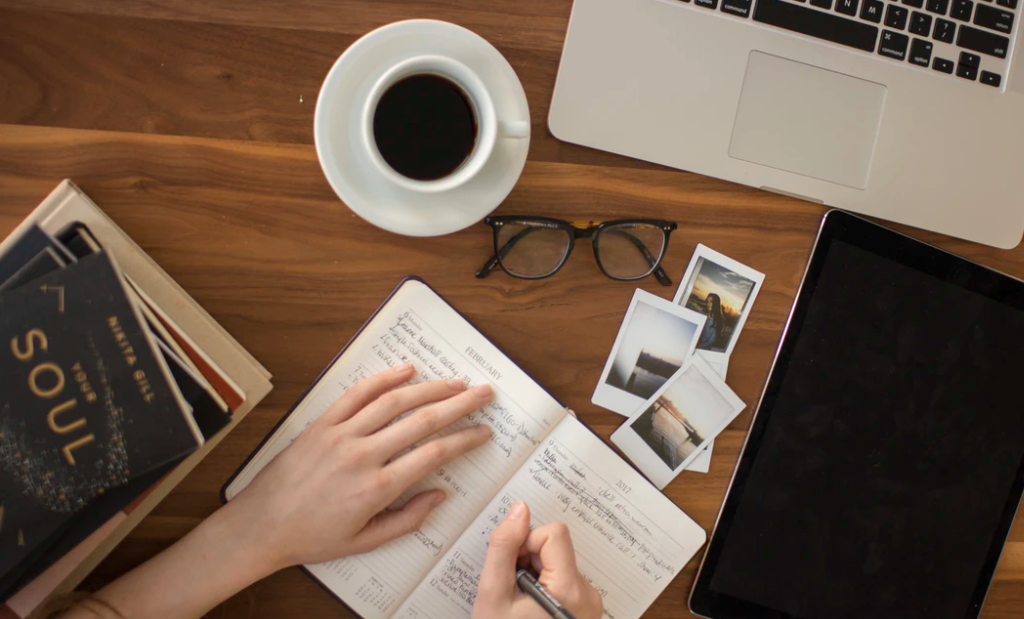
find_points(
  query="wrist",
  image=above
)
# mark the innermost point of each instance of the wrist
(232, 534)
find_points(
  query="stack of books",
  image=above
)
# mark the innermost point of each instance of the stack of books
(114, 384)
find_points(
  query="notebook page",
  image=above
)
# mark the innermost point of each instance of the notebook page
(630, 539)
(418, 326)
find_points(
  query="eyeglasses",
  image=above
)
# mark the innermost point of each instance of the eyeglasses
(537, 247)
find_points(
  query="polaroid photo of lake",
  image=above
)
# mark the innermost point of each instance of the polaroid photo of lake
(655, 339)
(723, 290)
(672, 428)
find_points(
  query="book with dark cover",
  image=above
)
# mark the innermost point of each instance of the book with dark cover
(78, 240)
(86, 401)
(209, 416)
(45, 262)
(33, 242)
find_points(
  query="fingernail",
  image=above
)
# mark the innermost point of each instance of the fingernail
(439, 498)
(455, 384)
(484, 390)
(517, 511)
(405, 367)
(484, 429)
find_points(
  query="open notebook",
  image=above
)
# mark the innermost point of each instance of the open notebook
(631, 540)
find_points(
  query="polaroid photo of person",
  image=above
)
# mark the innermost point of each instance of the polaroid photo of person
(723, 290)
(655, 339)
(672, 428)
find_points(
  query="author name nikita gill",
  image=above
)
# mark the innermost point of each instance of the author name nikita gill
(139, 375)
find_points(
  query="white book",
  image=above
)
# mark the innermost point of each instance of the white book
(630, 539)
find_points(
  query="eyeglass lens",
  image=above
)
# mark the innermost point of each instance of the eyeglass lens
(630, 250)
(530, 250)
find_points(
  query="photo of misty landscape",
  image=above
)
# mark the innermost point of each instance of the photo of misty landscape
(721, 294)
(682, 418)
(652, 349)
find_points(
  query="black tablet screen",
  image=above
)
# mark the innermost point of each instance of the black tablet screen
(893, 443)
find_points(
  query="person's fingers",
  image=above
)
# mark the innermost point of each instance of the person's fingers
(387, 526)
(364, 392)
(498, 577)
(384, 409)
(552, 544)
(430, 419)
(418, 463)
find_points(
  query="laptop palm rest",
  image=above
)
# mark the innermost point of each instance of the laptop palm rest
(807, 120)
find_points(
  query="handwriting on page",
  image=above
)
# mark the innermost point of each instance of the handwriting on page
(599, 509)
(620, 550)
(409, 339)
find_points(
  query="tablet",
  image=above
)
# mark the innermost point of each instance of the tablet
(885, 461)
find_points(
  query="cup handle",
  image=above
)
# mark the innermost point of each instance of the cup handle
(517, 129)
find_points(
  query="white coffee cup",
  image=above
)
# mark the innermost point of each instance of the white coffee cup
(489, 127)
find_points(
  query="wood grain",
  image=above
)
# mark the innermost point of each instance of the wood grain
(183, 120)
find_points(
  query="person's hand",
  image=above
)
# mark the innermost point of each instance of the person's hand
(548, 550)
(323, 497)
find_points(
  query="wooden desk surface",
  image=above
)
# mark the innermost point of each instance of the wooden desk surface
(190, 122)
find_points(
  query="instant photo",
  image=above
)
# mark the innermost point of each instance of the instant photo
(656, 338)
(672, 428)
(723, 291)
(720, 365)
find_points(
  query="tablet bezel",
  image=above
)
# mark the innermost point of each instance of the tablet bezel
(838, 225)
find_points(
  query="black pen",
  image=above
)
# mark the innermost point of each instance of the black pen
(528, 583)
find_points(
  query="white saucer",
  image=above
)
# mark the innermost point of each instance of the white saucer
(354, 177)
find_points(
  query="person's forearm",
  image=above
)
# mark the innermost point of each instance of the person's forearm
(209, 565)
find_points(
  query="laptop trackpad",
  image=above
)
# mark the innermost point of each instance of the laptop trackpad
(806, 120)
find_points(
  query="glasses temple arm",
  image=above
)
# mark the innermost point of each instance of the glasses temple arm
(659, 273)
(495, 260)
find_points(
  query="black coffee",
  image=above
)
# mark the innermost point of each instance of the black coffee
(424, 127)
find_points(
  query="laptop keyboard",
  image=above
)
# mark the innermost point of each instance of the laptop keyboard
(966, 38)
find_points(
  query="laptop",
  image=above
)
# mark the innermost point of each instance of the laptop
(907, 110)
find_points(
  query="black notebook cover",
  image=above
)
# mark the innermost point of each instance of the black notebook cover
(85, 404)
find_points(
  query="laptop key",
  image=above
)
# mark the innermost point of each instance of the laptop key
(943, 65)
(822, 4)
(990, 78)
(707, 4)
(921, 52)
(818, 24)
(996, 19)
(847, 7)
(921, 23)
(896, 17)
(944, 30)
(938, 6)
(966, 72)
(1010, 4)
(872, 11)
(962, 10)
(970, 60)
(737, 7)
(983, 41)
(893, 45)
(914, 3)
